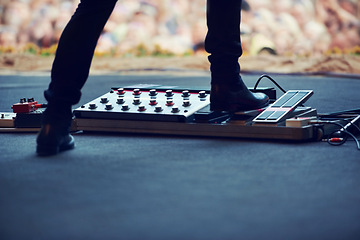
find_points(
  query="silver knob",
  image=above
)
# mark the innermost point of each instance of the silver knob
(186, 103)
(108, 106)
(152, 102)
(136, 91)
(169, 102)
(104, 100)
(120, 100)
(92, 106)
(136, 101)
(158, 108)
(121, 91)
(186, 93)
(141, 108)
(202, 94)
(169, 93)
(152, 92)
(175, 109)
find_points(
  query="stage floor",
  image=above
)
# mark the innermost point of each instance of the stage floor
(134, 186)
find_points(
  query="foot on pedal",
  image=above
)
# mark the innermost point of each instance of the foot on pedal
(235, 97)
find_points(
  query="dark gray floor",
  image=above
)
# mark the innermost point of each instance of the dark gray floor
(115, 186)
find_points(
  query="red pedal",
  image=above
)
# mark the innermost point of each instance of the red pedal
(26, 106)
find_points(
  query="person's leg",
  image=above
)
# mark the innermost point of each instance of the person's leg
(228, 92)
(223, 39)
(70, 71)
(74, 54)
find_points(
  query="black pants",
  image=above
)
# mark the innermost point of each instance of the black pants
(76, 47)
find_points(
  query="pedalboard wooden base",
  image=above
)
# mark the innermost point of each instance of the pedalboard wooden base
(198, 129)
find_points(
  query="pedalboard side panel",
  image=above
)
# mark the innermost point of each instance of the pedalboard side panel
(196, 129)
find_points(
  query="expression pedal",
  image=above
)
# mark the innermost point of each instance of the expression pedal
(184, 112)
(284, 106)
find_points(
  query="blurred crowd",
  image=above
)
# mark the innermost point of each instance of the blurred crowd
(301, 26)
(272, 26)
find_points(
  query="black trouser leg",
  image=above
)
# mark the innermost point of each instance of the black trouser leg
(73, 58)
(223, 39)
(228, 91)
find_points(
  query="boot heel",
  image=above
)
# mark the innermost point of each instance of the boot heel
(46, 150)
(54, 138)
(218, 105)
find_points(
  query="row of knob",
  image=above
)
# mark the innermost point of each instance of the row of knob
(23, 100)
(153, 102)
(141, 108)
(168, 93)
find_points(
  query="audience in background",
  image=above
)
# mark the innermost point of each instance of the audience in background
(274, 26)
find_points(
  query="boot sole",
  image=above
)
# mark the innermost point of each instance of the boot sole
(216, 107)
(48, 150)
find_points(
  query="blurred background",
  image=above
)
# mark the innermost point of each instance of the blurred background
(178, 27)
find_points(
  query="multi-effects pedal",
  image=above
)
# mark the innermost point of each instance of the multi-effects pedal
(145, 105)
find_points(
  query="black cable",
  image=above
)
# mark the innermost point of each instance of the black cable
(352, 124)
(271, 79)
(351, 111)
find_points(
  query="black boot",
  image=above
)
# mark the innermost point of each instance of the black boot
(54, 135)
(235, 97)
(54, 138)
